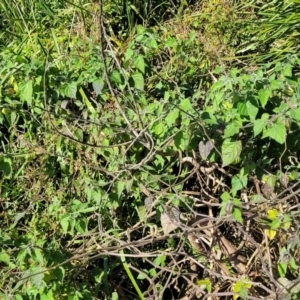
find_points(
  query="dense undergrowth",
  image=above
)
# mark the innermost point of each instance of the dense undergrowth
(149, 151)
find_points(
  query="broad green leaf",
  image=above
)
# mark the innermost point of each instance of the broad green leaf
(231, 151)
(179, 141)
(128, 54)
(5, 167)
(71, 90)
(64, 222)
(171, 42)
(226, 197)
(120, 188)
(116, 77)
(282, 268)
(295, 114)
(38, 255)
(159, 129)
(140, 63)
(252, 110)
(26, 92)
(237, 215)
(263, 96)
(153, 44)
(238, 182)
(259, 125)
(276, 132)
(231, 130)
(138, 81)
(186, 105)
(4, 257)
(172, 117)
(37, 280)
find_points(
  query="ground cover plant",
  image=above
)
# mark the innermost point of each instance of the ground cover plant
(148, 152)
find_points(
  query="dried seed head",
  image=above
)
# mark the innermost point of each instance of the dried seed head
(229, 208)
(267, 190)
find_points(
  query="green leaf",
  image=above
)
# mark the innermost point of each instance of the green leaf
(282, 267)
(276, 132)
(153, 44)
(64, 222)
(259, 125)
(186, 105)
(38, 255)
(114, 296)
(138, 81)
(26, 92)
(159, 129)
(71, 90)
(238, 182)
(231, 130)
(231, 151)
(252, 110)
(116, 76)
(237, 215)
(5, 167)
(120, 188)
(140, 64)
(263, 96)
(295, 114)
(179, 141)
(172, 116)
(37, 280)
(128, 54)
(225, 197)
(4, 257)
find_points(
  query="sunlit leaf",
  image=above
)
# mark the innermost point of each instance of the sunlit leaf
(231, 151)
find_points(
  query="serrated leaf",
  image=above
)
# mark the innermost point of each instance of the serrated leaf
(263, 96)
(276, 132)
(116, 76)
(38, 255)
(5, 167)
(252, 110)
(172, 116)
(37, 280)
(295, 114)
(186, 105)
(140, 64)
(231, 151)
(71, 90)
(26, 92)
(138, 81)
(258, 126)
(282, 267)
(128, 54)
(238, 182)
(159, 129)
(153, 44)
(4, 257)
(171, 42)
(231, 130)
(64, 222)
(120, 188)
(237, 215)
